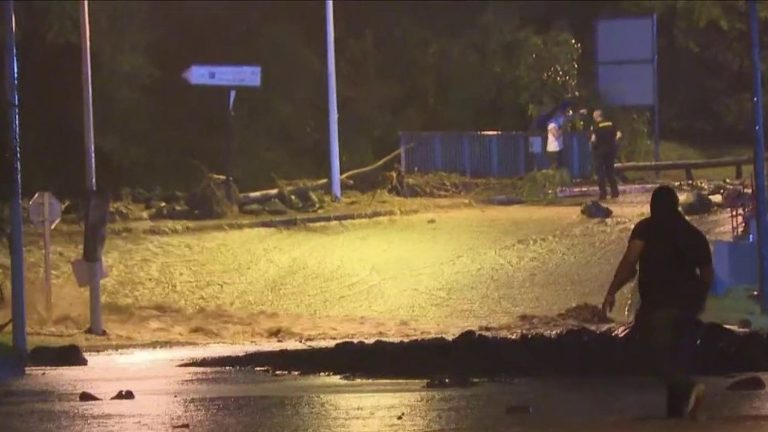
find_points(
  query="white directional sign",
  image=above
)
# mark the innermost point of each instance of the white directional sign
(44, 209)
(226, 76)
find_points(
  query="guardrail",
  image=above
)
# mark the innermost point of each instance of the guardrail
(514, 154)
(687, 166)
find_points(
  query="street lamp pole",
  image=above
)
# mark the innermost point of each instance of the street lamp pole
(333, 110)
(16, 238)
(760, 186)
(94, 269)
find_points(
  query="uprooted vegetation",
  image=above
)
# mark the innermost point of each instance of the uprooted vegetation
(535, 186)
(211, 200)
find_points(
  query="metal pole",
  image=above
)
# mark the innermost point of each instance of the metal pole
(760, 187)
(17, 235)
(90, 155)
(47, 255)
(656, 119)
(231, 143)
(333, 110)
(94, 269)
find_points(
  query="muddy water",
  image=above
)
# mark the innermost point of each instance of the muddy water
(247, 400)
(398, 277)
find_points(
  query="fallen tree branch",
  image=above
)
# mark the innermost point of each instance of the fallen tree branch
(265, 195)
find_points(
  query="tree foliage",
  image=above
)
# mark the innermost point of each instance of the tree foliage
(401, 66)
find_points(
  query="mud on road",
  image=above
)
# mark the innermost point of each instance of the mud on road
(435, 273)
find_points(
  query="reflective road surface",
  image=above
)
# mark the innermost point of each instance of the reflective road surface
(248, 400)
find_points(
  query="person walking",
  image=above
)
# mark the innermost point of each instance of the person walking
(675, 276)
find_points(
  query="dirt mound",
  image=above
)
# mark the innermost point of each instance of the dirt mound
(581, 314)
(585, 313)
(579, 351)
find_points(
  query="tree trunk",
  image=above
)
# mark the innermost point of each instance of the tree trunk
(268, 194)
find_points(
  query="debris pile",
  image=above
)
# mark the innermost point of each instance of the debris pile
(696, 203)
(67, 355)
(585, 313)
(577, 351)
(215, 198)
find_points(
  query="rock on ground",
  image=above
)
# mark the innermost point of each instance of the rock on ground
(696, 203)
(275, 208)
(88, 397)
(67, 355)
(252, 209)
(595, 210)
(124, 395)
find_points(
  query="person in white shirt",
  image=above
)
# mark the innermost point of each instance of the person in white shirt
(555, 140)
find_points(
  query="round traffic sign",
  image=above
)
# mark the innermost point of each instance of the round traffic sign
(44, 209)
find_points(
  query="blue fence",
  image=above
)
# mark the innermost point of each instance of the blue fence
(490, 154)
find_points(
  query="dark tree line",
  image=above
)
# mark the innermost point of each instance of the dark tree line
(401, 66)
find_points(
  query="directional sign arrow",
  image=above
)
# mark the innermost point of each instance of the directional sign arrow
(226, 76)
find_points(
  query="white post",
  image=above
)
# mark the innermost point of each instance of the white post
(333, 111)
(47, 255)
(94, 273)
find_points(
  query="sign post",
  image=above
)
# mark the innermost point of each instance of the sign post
(17, 234)
(231, 76)
(45, 214)
(231, 144)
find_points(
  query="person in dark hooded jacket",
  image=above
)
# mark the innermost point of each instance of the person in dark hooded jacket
(675, 274)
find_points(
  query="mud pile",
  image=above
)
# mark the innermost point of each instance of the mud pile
(580, 351)
(574, 316)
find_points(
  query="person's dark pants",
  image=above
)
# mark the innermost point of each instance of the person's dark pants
(555, 159)
(667, 339)
(604, 168)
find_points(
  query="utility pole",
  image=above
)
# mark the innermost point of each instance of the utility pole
(94, 268)
(757, 101)
(17, 234)
(333, 110)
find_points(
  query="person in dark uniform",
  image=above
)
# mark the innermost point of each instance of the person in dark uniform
(675, 277)
(603, 141)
